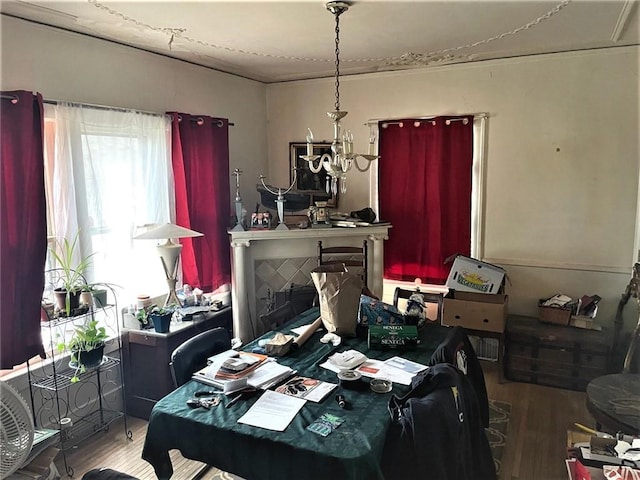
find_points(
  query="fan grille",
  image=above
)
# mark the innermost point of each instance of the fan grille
(16, 430)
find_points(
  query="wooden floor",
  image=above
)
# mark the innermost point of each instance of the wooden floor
(536, 442)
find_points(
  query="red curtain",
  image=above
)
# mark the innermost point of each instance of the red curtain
(23, 227)
(200, 157)
(425, 177)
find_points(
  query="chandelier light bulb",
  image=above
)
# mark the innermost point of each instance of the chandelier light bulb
(309, 142)
(372, 141)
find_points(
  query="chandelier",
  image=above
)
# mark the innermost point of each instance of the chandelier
(342, 157)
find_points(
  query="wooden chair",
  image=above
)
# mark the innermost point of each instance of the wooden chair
(276, 318)
(303, 297)
(433, 313)
(346, 255)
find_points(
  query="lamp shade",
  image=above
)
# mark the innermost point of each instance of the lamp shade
(168, 230)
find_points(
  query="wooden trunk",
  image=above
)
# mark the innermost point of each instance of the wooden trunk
(553, 355)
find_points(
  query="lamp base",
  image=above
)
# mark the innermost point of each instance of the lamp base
(172, 298)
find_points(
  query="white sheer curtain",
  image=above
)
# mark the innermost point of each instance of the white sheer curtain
(109, 173)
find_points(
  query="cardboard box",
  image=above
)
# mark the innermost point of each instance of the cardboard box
(470, 275)
(392, 336)
(475, 311)
(556, 315)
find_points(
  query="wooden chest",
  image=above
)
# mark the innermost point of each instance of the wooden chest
(553, 355)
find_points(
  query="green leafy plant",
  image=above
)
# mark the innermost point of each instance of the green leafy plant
(72, 279)
(145, 315)
(85, 338)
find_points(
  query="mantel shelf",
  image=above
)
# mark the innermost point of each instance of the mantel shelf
(299, 233)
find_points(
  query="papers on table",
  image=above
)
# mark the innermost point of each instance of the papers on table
(264, 376)
(405, 365)
(396, 369)
(273, 411)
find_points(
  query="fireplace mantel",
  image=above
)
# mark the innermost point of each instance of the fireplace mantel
(265, 261)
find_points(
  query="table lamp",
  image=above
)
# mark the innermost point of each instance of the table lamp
(169, 252)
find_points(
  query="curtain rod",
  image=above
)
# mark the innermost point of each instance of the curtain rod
(15, 99)
(395, 121)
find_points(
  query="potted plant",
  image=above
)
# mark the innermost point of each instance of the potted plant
(96, 294)
(72, 279)
(161, 317)
(86, 346)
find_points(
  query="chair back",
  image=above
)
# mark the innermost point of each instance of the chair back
(192, 354)
(276, 318)
(346, 255)
(433, 303)
(456, 350)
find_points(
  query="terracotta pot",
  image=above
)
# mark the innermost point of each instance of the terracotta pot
(47, 311)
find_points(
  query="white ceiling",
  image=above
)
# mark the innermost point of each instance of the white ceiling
(273, 41)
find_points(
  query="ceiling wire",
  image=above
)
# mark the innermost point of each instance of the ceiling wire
(406, 58)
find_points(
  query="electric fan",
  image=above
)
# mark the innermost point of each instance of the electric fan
(16, 430)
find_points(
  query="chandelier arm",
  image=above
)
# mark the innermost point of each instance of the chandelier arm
(311, 163)
(355, 161)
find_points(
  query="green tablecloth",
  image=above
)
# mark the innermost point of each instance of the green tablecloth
(352, 451)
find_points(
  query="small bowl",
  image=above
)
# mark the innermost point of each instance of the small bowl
(381, 385)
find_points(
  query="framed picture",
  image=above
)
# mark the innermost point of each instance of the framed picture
(260, 221)
(306, 179)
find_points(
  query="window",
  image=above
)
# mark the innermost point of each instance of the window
(108, 172)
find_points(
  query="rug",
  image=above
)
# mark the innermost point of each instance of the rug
(499, 413)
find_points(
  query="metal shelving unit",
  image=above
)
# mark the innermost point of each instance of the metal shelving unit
(90, 405)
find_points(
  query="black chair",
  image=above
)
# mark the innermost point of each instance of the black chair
(433, 298)
(457, 350)
(346, 255)
(192, 354)
(276, 318)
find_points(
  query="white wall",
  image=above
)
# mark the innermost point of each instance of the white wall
(562, 169)
(67, 66)
(562, 172)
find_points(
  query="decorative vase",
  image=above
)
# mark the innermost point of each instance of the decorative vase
(161, 322)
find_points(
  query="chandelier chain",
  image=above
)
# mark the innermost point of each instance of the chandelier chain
(337, 61)
(179, 33)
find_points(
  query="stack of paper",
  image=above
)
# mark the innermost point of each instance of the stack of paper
(261, 374)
